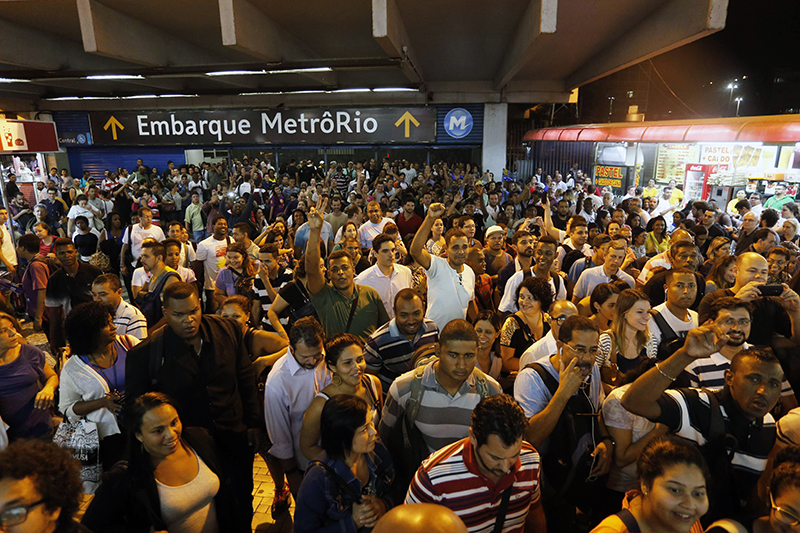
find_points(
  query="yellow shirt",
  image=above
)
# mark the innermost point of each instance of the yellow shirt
(650, 191)
(677, 197)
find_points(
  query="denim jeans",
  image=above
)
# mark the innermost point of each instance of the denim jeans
(199, 235)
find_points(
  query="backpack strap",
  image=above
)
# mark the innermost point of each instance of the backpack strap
(667, 333)
(500, 521)
(415, 399)
(629, 521)
(716, 428)
(549, 381)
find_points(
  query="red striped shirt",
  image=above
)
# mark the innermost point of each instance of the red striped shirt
(451, 477)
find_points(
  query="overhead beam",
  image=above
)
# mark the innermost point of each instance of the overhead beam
(110, 33)
(32, 49)
(538, 20)
(247, 29)
(677, 23)
(389, 30)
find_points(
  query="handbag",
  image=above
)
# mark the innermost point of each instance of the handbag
(83, 440)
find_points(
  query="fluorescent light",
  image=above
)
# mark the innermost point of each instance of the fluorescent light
(138, 97)
(177, 96)
(235, 72)
(115, 77)
(394, 89)
(313, 91)
(260, 93)
(350, 91)
(62, 98)
(300, 70)
(13, 80)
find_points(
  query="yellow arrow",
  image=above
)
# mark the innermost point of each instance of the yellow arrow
(114, 123)
(408, 118)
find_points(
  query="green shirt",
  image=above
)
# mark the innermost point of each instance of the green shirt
(194, 220)
(333, 310)
(776, 203)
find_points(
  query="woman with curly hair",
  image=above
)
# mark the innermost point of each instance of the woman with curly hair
(238, 274)
(528, 325)
(40, 488)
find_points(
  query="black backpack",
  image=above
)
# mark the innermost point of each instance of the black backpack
(671, 341)
(149, 303)
(570, 479)
(569, 259)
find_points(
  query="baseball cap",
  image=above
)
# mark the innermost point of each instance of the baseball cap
(493, 229)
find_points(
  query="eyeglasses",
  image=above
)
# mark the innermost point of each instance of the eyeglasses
(17, 515)
(583, 351)
(742, 323)
(782, 515)
(560, 319)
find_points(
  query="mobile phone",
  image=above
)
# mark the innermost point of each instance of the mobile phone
(770, 290)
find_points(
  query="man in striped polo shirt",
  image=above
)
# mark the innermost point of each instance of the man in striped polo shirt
(450, 390)
(127, 319)
(492, 475)
(733, 316)
(390, 349)
(740, 410)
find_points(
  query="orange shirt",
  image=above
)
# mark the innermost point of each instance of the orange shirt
(613, 524)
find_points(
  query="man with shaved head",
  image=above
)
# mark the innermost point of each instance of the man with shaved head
(770, 314)
(546, 346)
(420, 518)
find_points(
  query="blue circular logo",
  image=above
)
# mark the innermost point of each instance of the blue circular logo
(458, 123)
(81, 138)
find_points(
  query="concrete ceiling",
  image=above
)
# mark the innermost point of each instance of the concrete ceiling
(450, 50)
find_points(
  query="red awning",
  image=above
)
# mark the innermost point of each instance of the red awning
(774, 129)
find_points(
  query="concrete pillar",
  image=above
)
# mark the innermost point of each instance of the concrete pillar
(495, 132)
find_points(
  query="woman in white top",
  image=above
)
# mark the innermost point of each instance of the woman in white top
(344, 355)
(173, 480)
(629, 340)
(630, 433)
(93, 378)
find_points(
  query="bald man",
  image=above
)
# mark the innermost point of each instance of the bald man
(420, 518)
(546, 346)
(771, 314)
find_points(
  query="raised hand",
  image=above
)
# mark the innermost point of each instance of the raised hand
(315, 216)
(436, 210)
(703, 341)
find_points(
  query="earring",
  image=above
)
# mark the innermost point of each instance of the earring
(337, 380)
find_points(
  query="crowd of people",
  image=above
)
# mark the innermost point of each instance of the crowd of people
(528, 355)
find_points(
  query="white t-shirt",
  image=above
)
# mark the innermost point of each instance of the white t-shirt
(677, 325)
(614, 415)
(140, 276)
(368, 231)
(77, 211)
(508, 303)
(544, 347)
(212, 253)
(138, 236)
(9, 252)
(449, 292)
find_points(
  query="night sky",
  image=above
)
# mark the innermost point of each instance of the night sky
(761, 41)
